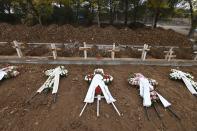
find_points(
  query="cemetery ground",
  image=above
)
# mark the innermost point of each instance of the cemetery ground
(43, 114)
(95, 36)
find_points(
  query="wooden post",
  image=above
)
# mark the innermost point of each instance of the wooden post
(169, 54)
(84, 48)
(3, 42)
(54, 51)
(113, 50)
(195, 58)
(18, 49)
(144, 51)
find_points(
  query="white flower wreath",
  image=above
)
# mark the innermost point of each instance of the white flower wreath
(106, 77)
(133, 79)
(50, 81)
(8, 72)
(178, 75)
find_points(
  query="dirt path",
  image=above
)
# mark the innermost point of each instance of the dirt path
(43, 115)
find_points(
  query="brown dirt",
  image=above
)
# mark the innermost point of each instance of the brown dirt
(43, 115)
(40, 50)
(7, 49)
(157, 53)
(91, 35)
(184, 53)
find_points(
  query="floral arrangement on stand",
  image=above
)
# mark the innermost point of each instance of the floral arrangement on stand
(49, 84)
(148, 93)
(187, 78)
(135, 80)
(98, 89)
(52, 83)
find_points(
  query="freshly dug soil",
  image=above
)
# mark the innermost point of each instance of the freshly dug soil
(92, 35)
(7, 49)
(44, 115)
(184, 53)
(39, 50)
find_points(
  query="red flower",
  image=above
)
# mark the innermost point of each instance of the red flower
(98, 90)
(106, 77)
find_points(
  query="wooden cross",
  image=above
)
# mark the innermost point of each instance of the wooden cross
(144, 51)
(113, 50)
(54, 51)
(17, 46)
(84, 48)
(195, 52)
(169, 54)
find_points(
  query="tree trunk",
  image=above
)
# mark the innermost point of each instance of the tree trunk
(77, 11)
(111, 12)
(91, 7)
(30, 7)
(193, 25)
(126, 12)
(9, 10)
(98, 14)
(135, 13)
(115, 14)
(40, 19)
(156, 17)
(60, 3)
(31, 10)
(90, 13)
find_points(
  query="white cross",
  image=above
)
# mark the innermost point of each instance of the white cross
(169, 54)
(54, 51)
(17, 46)
(144, 51)
(113, 50)
(84, 48)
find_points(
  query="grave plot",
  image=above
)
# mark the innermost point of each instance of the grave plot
(7, 49)
(101, 54)
(37, 50)
(67, 41)
(82, 50)
(15, 113)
